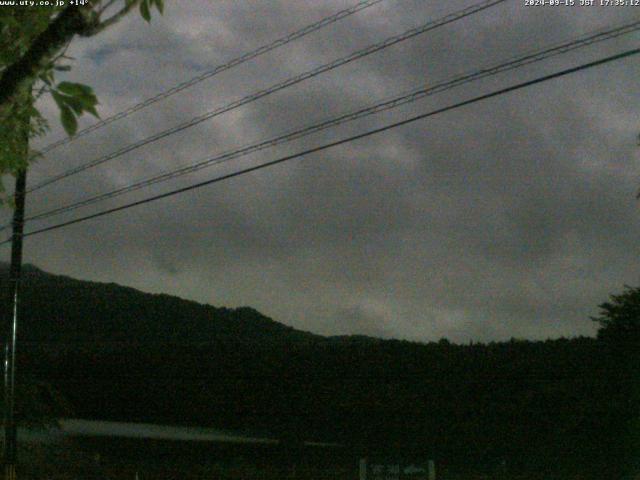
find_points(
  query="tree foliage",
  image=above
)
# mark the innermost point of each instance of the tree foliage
(620, 318)
(33, 42)
(620, 333)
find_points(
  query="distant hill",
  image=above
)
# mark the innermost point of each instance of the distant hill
(62, 310)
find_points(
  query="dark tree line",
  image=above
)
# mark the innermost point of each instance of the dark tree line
(555, 407)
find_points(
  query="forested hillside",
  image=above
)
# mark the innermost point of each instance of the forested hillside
(117, 353)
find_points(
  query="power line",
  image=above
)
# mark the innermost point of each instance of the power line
(414, 95)
(326, 146)
(276, 87)
(216, 70)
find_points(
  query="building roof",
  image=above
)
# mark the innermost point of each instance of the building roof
(73, 427)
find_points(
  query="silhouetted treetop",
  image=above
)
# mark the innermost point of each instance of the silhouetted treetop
(620, 318)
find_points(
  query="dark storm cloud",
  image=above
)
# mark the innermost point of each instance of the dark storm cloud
(512, 217)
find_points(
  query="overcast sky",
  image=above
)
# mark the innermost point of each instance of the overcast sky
(513, 217)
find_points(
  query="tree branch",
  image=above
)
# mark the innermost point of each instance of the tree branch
(71, 21)
(104, 7)
(113, 19)
(45, 88)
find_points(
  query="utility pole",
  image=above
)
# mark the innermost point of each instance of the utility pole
(11, 326)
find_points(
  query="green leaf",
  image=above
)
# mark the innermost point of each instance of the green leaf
(77, 99)
(59, 99)
(75, 103)
(87, 102)
(69, 121)
(144, 10)
(160, 6)
(92, 110)
(75, 89)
